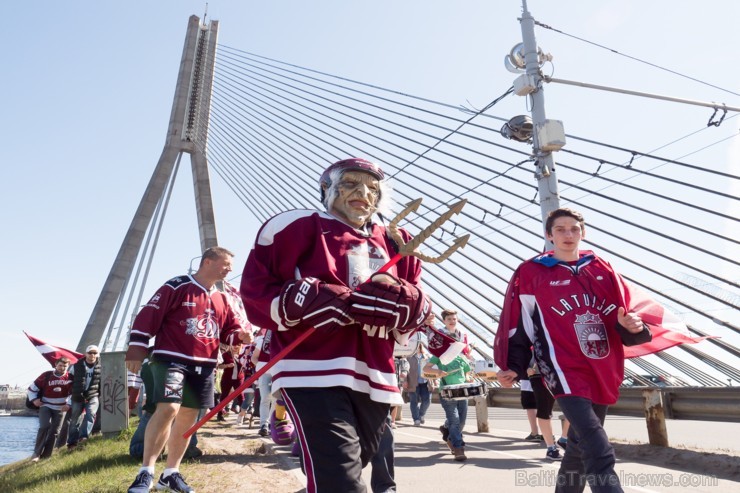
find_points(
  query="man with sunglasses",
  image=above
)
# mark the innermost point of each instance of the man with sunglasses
(85, 396)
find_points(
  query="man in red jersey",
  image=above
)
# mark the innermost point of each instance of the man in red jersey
(189, 317)
(308, 269)
(50, 394)
(566, 308)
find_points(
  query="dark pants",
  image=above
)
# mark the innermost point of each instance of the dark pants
(227, 386)
(339, 431)
(63, 431)
(589, 457)
(382, 473)
(543, 397)
(50, 422)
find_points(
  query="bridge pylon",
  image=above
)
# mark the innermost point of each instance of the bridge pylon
(187, 133)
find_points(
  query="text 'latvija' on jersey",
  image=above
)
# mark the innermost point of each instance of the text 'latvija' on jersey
(308, 243)
(566, 313)
(52, 389)
(188, 322)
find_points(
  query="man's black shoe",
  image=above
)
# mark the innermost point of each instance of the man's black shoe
(445, 432)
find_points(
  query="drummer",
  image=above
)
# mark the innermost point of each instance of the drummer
(449, 317)
(455, 372)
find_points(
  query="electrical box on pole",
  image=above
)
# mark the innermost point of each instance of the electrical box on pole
(550, 135)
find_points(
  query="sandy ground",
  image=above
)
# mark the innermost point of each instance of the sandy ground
(236, 460)
(709, 463)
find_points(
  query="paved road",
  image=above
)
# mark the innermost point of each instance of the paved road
(501, 461)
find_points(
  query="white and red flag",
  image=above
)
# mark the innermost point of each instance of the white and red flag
(52, 353)
(667, 329)
(441, 345)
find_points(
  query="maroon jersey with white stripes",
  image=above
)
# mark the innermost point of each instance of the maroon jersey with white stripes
(309, 243)
(566, 314)
(188, 322)
(52, 389)
(235, 372)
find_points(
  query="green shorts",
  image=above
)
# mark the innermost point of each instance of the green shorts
(189, 385)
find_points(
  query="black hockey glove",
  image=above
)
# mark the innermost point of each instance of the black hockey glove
(308, 302)
(400, 305)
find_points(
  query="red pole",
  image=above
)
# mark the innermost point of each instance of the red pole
(282, 354)
(249, 381)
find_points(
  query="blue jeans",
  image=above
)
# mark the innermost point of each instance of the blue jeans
(456, 413)
(589, 457)
(419, 401)
(248, 399)
(265, 385)
(81, 426)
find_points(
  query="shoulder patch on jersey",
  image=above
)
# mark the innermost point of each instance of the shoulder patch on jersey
(178, 281)
(278, 223)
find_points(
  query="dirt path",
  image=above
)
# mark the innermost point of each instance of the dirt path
(236, 461)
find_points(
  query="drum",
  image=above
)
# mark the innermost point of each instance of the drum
(463, 391)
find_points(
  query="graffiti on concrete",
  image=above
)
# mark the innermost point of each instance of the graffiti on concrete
(114, 396)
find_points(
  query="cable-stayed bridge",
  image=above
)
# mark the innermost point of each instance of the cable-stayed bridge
(268, 128)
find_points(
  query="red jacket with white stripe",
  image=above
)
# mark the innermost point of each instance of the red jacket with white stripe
(52, 389)
(310, 243)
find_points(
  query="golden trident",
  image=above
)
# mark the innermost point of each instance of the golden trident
(410, 248)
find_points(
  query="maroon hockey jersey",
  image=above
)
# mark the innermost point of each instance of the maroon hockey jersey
(309, 243)
(187, 320)
(52, 389)
(566, 314)
(235, 372)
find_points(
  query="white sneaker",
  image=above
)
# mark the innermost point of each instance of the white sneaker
(417, 422)
(239, 419)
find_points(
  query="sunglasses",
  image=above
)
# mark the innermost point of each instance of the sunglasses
(92, 352)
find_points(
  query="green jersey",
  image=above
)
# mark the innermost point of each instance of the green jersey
(459, 364)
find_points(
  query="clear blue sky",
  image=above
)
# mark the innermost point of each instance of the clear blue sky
(88, 89)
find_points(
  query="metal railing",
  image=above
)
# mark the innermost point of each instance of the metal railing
(697, 403)
(656, 404)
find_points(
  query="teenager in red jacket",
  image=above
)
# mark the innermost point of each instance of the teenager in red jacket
(565, 307)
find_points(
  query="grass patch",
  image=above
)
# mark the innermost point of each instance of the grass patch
(99, 466)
